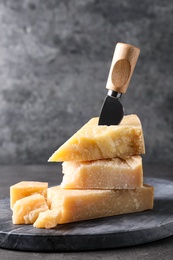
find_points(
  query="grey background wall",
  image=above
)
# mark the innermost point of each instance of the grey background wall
(54, 62)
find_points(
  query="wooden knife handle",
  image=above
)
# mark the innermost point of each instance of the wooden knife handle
(122, 67)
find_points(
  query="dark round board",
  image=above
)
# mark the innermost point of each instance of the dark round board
(110, 232)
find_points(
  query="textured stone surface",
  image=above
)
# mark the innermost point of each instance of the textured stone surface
(54, 62)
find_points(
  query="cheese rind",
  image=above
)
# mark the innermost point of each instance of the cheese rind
(94, 142)
(113, 173)
(26, 210)
(77, 205)
(26, 188)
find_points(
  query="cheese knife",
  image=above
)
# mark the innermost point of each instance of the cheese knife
(121, 70)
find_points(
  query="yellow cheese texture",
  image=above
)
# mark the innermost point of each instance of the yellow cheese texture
(64, 205)
(78, 205)
(113, 173)
(102, 177)
(94, 142)
(48, 219)
(26, 188)
(26, 210)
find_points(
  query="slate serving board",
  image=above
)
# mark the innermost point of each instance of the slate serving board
(111, 232)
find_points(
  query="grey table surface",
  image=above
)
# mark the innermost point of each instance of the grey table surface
(52, 174)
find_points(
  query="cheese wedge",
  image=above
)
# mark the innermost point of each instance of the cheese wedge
(77, 205)
(27, 188)
(26, 210)
(113, 173)
(93, 141)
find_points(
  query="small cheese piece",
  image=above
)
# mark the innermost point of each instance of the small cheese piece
(103, 174)
(77, 205)
(48, 219)
(26, 210)
(27, 188)
(94, 142)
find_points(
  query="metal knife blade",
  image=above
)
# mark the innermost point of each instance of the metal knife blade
(121, 70)
(112, 111)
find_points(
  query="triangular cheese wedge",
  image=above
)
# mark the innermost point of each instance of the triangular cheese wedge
(93, 141)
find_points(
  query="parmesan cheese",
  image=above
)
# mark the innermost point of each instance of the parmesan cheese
(94, 142)
(113, 173)
(48, 219)
(26, 210)
(78, 205)
(26, 188)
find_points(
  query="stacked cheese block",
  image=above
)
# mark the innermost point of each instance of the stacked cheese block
(103, 176)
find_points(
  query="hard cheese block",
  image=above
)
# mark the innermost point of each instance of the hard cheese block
(113, 173)
(77, 205)
(26, 210)
(93, 141)
(27, 188)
